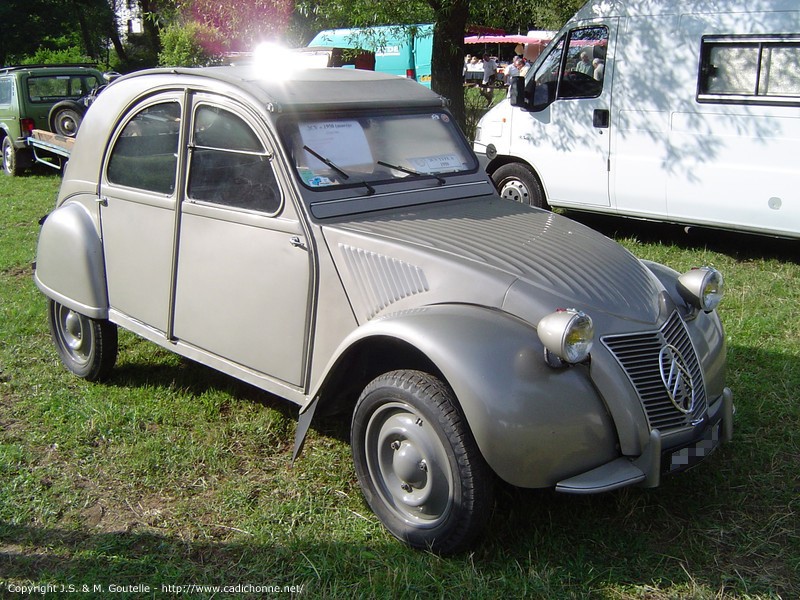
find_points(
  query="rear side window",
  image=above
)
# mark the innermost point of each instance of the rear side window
(145, 155)
(52, 88)
(750, 70)
(5, 91)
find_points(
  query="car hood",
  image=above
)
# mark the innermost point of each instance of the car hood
(492, 252)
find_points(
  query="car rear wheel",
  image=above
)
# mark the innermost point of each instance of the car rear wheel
(517, 182)
(87, 347)
(417, 463)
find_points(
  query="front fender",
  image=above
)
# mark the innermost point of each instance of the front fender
(534, 425)
(69, 262)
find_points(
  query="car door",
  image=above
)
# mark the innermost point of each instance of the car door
(138, 197)
(566, 136)
(243, 277)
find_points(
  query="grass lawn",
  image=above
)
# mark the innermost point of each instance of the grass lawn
(171, 474)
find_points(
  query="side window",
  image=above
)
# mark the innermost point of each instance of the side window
(749, 70)
(584, 63)
(145, 155)
(575, 67)
(228, 163)
(5, 91)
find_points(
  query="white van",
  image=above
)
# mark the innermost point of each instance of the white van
(690, 113)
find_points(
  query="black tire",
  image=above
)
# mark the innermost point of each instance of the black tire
(87, 347)
(65, 118)
(517, 182)
(417, 463)
(14, 161)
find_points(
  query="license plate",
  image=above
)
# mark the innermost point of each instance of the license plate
(687, 457)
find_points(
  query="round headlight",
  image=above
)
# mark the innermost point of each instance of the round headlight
(568, 334)
(702, 288)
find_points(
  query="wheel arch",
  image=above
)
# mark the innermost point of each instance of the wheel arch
(69, 262)
(520, 411)
(502, 160)
(363, 361)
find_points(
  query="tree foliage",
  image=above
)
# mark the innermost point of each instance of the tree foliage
(240, 25)
(190, 45)
(53, 26)
(189, 32)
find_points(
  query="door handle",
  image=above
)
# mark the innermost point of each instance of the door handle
(600, 118)
(297, 242)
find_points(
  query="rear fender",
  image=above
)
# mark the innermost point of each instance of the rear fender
(69, 262)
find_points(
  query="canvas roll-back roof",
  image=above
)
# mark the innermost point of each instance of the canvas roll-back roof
(292, 90)
(296, 89)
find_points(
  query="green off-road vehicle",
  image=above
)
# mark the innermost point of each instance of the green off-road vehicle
(40, 97)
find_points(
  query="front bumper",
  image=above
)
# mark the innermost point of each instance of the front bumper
(646, 470)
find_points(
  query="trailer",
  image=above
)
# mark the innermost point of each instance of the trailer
(49, 148)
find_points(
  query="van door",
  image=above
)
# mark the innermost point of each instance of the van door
(566, 135)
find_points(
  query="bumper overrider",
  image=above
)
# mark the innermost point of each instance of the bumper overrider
(659, 456)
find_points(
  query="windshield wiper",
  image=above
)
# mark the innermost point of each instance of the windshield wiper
(327, 161)
(438, 178)
(338, 169)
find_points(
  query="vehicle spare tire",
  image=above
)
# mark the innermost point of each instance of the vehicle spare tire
(65, 117)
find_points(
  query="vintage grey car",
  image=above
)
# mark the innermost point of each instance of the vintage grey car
(331, 238)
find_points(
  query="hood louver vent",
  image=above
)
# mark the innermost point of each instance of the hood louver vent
(381, 280)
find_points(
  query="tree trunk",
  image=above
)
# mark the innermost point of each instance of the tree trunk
(447, 62)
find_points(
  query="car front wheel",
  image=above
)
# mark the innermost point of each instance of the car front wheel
(87, 347)
(417, 463)
(517, 182)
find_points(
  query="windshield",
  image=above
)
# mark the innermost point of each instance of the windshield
(364, 150)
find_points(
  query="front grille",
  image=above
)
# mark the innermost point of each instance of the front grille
(639, 356)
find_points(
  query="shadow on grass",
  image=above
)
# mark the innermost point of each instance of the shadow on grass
(686, 539)
(738, 246)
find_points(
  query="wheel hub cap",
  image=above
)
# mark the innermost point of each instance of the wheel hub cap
(408, 465)
(73, 331)
(514, 190)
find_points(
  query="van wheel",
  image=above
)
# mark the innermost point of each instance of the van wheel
(517, 182)
(87, 347)
(417, 463)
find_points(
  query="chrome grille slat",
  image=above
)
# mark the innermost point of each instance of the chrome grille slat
(638, 355)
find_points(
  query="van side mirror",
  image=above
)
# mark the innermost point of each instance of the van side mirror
(535, 98)
(516, 92)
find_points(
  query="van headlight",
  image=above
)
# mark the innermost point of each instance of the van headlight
(567, 333)
(702, 288)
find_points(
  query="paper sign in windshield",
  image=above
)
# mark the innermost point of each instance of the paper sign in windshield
(441, 163)
(341, 142)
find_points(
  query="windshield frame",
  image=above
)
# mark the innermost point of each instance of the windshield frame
(357, 195)
(343, 171)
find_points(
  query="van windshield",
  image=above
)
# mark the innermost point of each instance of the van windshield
(362, 150)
